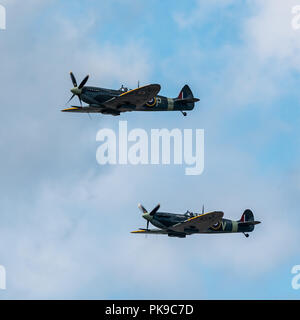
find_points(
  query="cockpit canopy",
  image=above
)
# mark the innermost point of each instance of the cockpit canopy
(189, 214)
(123, 89)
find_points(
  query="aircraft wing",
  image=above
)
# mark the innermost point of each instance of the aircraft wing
(150, 231)
(137, 97)
(92, 109)
(199, 223)
(82, 109)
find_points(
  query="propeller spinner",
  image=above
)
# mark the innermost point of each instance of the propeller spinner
(148, 216)
(77, 90)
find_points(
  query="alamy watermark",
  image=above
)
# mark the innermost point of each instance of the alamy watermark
(296, 279)
(2, 278)
(136, 147)
(296, 17)
(2, 17)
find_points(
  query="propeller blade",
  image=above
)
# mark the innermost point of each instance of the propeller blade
(73, 79)
(83, 82)
(71, 98)
(142, 208)
(147, 224)
(80, 100)
(152, 213)
(203, 209)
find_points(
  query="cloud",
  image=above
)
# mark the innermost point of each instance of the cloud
(271, 34)
(250, 77)
(200, 13)
(45, 246)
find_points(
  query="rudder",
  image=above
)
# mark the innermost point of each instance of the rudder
(185, 93)
(247, 216)
(186, 98)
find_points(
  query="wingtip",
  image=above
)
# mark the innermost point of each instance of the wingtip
(71, 108)
(138, 231)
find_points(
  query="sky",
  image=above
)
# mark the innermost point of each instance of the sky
(66, 220)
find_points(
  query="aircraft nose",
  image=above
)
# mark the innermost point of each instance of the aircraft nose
(76, 91)
(147, 216)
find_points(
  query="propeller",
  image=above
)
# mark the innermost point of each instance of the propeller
(203, 209)
(148, 216)
(142, 208)
(77, 90)
(73, 79)
(152, 213)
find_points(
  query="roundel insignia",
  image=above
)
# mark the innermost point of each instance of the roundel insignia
(151, 103)
(216, 226)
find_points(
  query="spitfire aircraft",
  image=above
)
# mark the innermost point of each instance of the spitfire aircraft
(181, 225)
(113, 102)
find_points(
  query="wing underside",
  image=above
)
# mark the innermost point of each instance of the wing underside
(82, 110)
(91, 109)
(150, 231)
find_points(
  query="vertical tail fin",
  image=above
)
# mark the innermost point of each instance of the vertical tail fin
(247, 216)
(185, 93)
(186, 98)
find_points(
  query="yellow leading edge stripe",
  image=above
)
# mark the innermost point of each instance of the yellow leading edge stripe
(200, 215)
(133, 90)
(74, 108)
(137, 231)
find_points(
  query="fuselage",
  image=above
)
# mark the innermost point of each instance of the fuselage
(165, 220)
(95, 96)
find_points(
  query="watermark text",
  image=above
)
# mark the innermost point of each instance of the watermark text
(2, 278)
(296, 17)
(2, 17)
(296, 278)
(136, 147)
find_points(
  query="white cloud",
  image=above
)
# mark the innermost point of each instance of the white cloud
(253, 71)
(271, 35)
(45, 246)
(199, 14)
